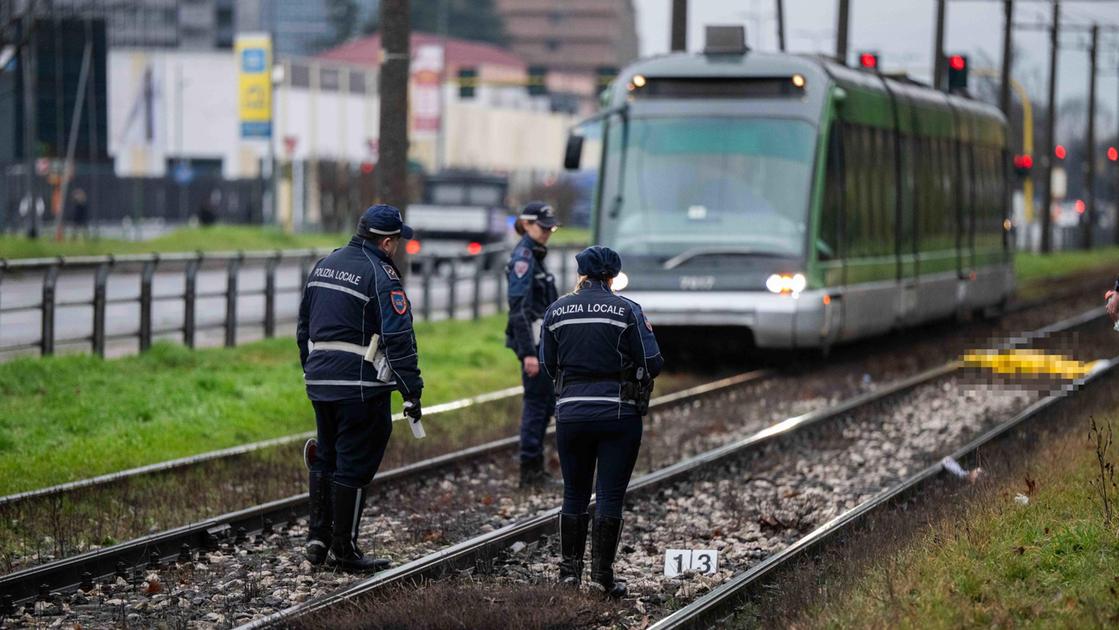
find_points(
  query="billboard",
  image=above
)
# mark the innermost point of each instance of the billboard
(254, 84)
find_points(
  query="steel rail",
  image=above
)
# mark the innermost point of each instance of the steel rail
(163, 547)
(720, 601)
(483, 548)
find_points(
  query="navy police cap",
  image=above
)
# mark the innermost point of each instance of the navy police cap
(598, 262)
(540, 212)
(383, 220)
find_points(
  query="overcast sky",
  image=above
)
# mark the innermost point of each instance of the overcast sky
(901, 31)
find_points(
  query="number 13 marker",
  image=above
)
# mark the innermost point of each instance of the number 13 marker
(677, 561)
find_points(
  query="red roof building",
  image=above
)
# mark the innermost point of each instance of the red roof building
(459, 53)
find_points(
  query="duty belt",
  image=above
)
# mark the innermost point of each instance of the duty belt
(341, 346)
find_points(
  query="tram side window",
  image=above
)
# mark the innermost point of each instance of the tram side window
(989, 210)
(828, 242)
(869, 218)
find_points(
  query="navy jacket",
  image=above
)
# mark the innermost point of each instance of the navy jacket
(596, 338)
(352, 294)
(531, 290)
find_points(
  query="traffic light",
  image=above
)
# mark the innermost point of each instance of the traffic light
(537, 85)
(1113, 154)
(467, 81)
(603, 75)
(1060, 152)
(1023, 164)
(868, 60)
(957, 72)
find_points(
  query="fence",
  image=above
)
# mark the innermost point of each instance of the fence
(444, 274)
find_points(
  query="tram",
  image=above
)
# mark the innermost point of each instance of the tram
(796, 200)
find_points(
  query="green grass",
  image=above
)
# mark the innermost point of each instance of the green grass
(217, 238)
(1052, 563)
(569, 236)
(69, 417)
(1030, 267)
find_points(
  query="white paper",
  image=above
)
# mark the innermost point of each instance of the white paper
(680, 561)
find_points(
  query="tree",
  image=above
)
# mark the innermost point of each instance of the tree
(476, 20)
(343, 17)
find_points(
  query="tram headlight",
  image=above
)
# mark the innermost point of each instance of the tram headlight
(785, 283)
(621, 281)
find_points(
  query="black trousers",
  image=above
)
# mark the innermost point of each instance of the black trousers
(611, 445)
(352, 437)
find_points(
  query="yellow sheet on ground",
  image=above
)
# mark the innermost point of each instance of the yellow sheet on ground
(1028, 363)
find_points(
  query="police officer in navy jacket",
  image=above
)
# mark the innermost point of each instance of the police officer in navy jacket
(531, 290)
(353, 296)
(599, 348)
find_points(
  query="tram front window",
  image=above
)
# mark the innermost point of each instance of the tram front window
(713, 186)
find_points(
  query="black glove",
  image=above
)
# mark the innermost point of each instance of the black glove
(412, 408)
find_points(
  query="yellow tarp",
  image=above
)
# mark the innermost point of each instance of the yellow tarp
(1028, 363)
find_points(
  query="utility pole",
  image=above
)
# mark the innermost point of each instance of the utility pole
(781, 25)
(841, 32)
(1089, 218)
(1050, 125)
(392, 163)
(679, 36)
(1007, 56)
(938, 46)
(30, 125)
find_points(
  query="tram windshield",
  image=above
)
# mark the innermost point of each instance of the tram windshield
(709, 186)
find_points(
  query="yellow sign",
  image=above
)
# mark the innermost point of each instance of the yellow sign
(1028, 363)
(254, 85)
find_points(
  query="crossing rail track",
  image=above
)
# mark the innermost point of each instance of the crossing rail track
(482, 555)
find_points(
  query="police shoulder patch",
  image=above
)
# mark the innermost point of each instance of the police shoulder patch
(520, 268)
(389, 271)
(399, 302)
(648, 324)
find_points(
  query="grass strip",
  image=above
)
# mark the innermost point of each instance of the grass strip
(1037, 550)
(1030, 266)
(206, 239)
(69, 417)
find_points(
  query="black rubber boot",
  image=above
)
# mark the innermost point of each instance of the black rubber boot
(573, 544)
(604, 548)
(319, 532)
(534, 474)
(344, 554)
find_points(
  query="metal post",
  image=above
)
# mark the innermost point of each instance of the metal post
(938, 47)
(46, 341)
(146, 303)
(565, 267)
(500, 277)
(1090, 170)
(427, 266)
(476, 304)
(30, 110)
(270, 296)
(189, 294)
(100, 280)
(679, 36)
(1050, 125)
(1007, 56)
(452, 280)
(234, 269)
(841, 32)
(781, 25)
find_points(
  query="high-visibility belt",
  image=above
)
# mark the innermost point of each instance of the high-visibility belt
(340, 346)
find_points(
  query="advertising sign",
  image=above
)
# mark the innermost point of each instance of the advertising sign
(254, 84)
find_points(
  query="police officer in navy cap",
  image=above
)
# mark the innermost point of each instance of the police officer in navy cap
(531, 290)
(356, 346)
(599, 348)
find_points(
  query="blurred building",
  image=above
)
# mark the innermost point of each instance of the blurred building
(299, 28)
(193, 24)
(574, 36)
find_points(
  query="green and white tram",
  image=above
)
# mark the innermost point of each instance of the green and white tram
(796, 199)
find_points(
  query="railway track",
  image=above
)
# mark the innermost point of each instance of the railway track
(134, 559)
(488, 555)
(127, 567)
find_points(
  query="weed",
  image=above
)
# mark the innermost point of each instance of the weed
(1103, 483)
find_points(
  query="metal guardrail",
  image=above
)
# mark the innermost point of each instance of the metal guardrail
(432, 270)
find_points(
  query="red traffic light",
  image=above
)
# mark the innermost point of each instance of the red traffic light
(957, 62)
(1060, 152)
(868, 60)
(1112, 154)
(1080, 206)
(1023, 162)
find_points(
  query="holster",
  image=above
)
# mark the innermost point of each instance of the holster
(638, 388)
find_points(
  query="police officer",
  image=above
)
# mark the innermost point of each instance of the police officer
(356, 345)
(531, 290)
(600, 350)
